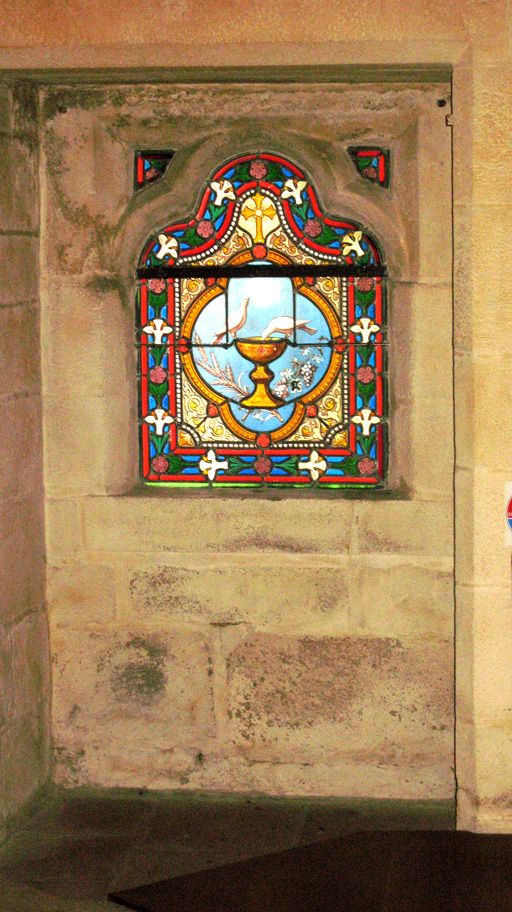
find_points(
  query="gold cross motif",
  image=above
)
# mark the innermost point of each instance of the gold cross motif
(261, 208)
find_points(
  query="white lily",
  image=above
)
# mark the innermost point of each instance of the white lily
(158, 329)
(223, 190)
(367, 419)
(168, 247)
(315, 465)
(293, 189)
(352, 241)
(210, 465)
(160, 419)
(364, 328)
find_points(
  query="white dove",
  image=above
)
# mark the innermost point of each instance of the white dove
(235, 322)
(285, 325)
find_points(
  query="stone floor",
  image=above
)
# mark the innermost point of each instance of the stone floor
(70, 849)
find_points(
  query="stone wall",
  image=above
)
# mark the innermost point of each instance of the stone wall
(24, 653)
(271, 42)
(299, 645)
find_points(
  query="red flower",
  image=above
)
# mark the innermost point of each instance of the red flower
(152, 173)
(157, 286)
(262, 465)
(159, 464)
(313, 228)
(370, 172)
(367, 466)
(365, 283)
(157, 374)
(258, 169)
(204, 228)
(365, 374)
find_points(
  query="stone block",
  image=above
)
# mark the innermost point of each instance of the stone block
(492, 654)
(151, 523)
(358, 699)
(20, 445)
(74, 434)
(493, 766)
(84, 346)
(410, 527)
(30, 664)
(491, 270)
(464, 304)
(5, 108)
(432, 356)
(434, 225)
(491, 554)
(5, 677)
(19, 199)
(492, 418)
(432, 449)
(316, 780)
(63, 526)
(491, 178)
(22, 566)
(80, 593)
(24, 760)
(285, 592)
(464, 405)
(20, 369)
(19, 269)
(395, 597)
(122, 691)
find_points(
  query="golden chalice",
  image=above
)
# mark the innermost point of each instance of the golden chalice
(261, 352)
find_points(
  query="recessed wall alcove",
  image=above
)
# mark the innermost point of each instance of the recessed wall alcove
(284, 644)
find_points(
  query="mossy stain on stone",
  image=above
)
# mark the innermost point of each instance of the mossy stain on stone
(141, 677)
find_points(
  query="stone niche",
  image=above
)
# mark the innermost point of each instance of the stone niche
(286, 644)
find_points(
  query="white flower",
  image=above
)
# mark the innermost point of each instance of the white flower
(158, 329)
(364, 328)
(168, 247)
(160, 419)
(223, 190)
(315, 465)
(351, 241)
(210, 465)
(293, 189)
(367, 419)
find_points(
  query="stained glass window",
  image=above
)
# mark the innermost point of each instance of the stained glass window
(372, 163)
(262, 339)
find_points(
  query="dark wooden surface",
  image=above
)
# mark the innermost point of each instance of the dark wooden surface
(361, 872)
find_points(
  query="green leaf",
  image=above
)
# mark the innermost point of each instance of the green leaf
(365, 351)
(363, 162)
(176, 464)
(290, 465)
(158, 442)
(365, 298)
(215, 211)
(349, 465)
(366, 390)
(191, 237)
(366, 443)
(236, 465)
(158, 352)
(274, 171)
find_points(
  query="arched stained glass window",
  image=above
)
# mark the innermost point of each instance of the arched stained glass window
(262, 339)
